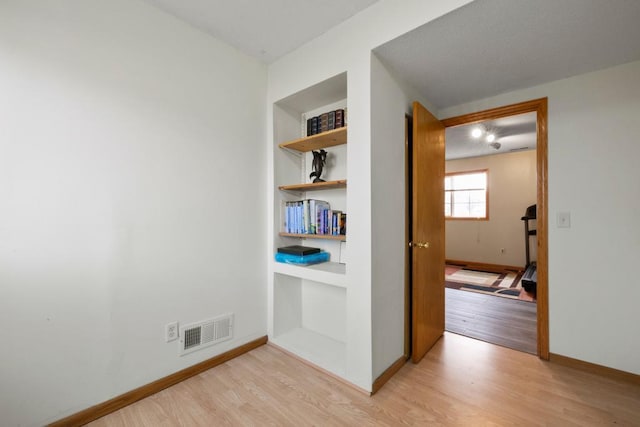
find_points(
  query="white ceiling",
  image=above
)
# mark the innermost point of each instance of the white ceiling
(489, 47)
(264, 29)
(513, 133)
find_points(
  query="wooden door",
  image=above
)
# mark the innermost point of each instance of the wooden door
(427, 287)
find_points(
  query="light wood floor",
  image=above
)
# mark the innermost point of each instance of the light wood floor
(461, 382)
(503, 321)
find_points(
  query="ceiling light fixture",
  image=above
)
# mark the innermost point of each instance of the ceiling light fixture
(491, 137)
(476, 132)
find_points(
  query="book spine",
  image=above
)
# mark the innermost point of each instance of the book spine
(324, 122)
(331, 120)
(325, 218)
(309, 121)
(292, 223)
(294, 217)
(305, 215)
(327, 222)
(285, 218)
(315, 218)
(319, 208)
(312, 212)
(314, 125)
(335, 223)
(327, 212)
(339, 123)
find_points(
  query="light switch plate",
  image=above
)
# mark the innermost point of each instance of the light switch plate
(563, 219)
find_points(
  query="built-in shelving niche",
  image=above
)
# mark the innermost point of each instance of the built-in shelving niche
(293, 160)
(309, 320)
(309, 310)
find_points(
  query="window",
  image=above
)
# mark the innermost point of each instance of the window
(466, 195)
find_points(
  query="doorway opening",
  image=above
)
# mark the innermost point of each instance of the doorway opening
(426, 307)
(490, 182)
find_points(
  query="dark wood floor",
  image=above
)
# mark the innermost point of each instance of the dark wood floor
(507, 322)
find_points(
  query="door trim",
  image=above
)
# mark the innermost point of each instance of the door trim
(539, 106)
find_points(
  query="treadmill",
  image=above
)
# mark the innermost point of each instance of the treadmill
(530, 276)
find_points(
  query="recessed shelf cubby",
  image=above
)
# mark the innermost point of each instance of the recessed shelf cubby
(309, 303)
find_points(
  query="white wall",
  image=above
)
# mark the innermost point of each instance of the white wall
(594, 175)
(391, 99)
(387, 216)
(512, 188)
(313, 63)
(132, 159)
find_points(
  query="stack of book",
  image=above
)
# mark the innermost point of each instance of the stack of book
(312, 216)
(326, 121)
(301, 255)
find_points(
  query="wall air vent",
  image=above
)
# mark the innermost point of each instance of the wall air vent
(205, 333)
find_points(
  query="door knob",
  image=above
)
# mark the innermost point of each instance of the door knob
(424, 245)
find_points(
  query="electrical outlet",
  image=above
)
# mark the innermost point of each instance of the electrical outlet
(171, 331)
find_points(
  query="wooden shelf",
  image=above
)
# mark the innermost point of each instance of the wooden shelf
(340, 237)
(330, 138)
(328, 185)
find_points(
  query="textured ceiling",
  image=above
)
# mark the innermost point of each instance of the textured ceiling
(489, 47)
(513, 133)
(264, 29)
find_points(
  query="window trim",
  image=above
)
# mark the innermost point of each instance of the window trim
(486, 202)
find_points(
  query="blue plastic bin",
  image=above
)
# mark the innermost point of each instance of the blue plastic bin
(303, 259)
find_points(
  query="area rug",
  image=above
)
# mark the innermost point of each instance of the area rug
(506, 284)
